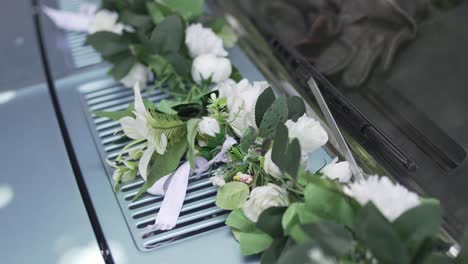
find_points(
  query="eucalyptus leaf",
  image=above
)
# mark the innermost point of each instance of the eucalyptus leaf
(116, 115)
(189, 9)
(248, 138)
(301, 254)
(168, 36)
(134, 19)
(272, 254)
(254, 242)
(163, 164)
(296, 108)
(333, 238)
(264, 101)
(276, 114)
(329, 204)
(232, 195)
(438, 258)
(287, 156)
(269, 221)
(121, 68)
(376, 233)
(155, 11)
(412, 230)
(107, 43)
(192, 128)
(238, 221)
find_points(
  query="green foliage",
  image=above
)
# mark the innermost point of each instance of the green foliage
(189, 9)
(412, 231)
(296, 108)
(272, 254)
(269, 221)
(333, 238)
(287, 156)
(168, 36)
(462, 257)
(300, 254)
(192, 126)
(170, 125)
(264, 101)
(377, 234)
(232, 195)
(122, 67)
(107, 43)
(136, 20)
(238, 221)
(248, 138)
(276, 114)
(162, 165)
(254, 242)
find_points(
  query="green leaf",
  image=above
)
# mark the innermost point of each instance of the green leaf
(296, 108)
(412, 230)
(287, 156)
(333, 238)
(192, 128)
(329, 204)
(375, 232)
(107, 43)
(121, 68)
(276, 114)
(190, 110)
(165, 106)
(248, 138)
(236, 75)
(228, 36)
(272, 254)
(232, 195)
(168, 36)
(296, 215)
(134, 19)
(163, 165)
(301, 254)
(187, 8)
(181, 65)
(238, 221)
(264, 101)
(155, 11)
(269, 221)
(253, 243)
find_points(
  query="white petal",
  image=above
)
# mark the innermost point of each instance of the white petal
(131, 127)
(144, 161)
(162, 144)
(139, 105)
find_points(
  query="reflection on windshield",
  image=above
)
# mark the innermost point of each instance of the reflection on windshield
(403, 64)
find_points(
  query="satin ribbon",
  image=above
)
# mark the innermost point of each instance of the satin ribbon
(78, 21)
(174, 188)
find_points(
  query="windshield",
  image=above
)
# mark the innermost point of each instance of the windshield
(401, 63)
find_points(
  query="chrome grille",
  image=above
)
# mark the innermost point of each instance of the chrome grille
(82, 55)
(199, 213)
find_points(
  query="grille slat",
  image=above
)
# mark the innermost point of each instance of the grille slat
(199, 213)
(81, 55)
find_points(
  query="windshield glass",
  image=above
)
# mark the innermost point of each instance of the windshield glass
(403, 64)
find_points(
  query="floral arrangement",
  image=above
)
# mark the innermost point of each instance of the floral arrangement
(254, 143)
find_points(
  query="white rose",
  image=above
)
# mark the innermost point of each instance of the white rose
(340, 171)
(138, 73)
(270, 167)
(208, 126)
(241, 100)
(201, 40)
(105, 20)
(391, 199)
(217, 181)
(209, 66)
(309, 132)
(262, 198)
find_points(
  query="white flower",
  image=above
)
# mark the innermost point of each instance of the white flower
(317, 256)
(217, 181)
(138, 129)
(138, 73)
(391, 199)
(201, 40)
(340, 171)
(241, 100)
(270, 167)
(309, 132)
(262, 198)
(208, 126)
(105, 20)
(209, 66)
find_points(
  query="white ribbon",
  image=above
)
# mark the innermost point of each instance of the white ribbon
(79, 21)
(174, 189)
